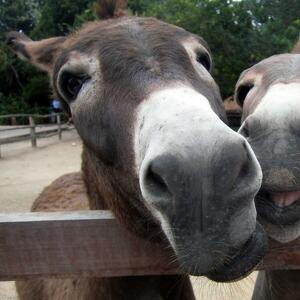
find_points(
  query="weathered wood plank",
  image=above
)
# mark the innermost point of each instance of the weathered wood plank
(28, 115)
(27, 136)
(32, 132)
(92, 243)
(77, 243)
(58, 121)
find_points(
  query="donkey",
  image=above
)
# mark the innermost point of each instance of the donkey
(156, 152)
(270, 95)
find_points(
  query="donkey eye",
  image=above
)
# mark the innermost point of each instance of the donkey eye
(204, 60)
(71, 84)
(242, 92)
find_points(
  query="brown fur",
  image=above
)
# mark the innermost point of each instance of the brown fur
(106, 9)
(118, 64)
(277, 285)
(93, 189)
(68, 192)
(285, 68)
(121, 62)
(40, 53)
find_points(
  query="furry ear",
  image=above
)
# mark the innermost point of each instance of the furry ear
(40, 53)
(106, 9)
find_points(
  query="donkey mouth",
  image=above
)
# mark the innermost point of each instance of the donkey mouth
(280, 208)
(285, 199)
(245, 260)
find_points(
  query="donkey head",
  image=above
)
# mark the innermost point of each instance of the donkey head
(270, 95)
(152, 123)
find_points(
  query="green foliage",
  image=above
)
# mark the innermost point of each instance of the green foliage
(12, 105)
(36, 89)
(57, 17)
(20, 82)
(87, 15)
(239, 33)
(16, 14)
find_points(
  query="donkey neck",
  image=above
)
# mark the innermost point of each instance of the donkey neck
(105, 192)
(96, 193)
(277, 285)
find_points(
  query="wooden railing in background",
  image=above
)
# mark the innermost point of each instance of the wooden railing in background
(33, 134)
(93, 243)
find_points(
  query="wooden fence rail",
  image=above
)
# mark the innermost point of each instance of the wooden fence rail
(28, 115)
(92, 243)
(32, 133)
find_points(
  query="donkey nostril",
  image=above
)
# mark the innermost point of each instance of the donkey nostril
(155, 183)
(245, 169)
(244, 131)
(249, 157)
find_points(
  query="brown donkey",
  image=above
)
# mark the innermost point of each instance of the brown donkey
(156, 152)
(270, 95)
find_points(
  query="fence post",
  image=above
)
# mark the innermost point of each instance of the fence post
(58, 120)
(14, 121)
(32, 131)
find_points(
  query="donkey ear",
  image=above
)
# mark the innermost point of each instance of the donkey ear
(106, 9)
(40, 53)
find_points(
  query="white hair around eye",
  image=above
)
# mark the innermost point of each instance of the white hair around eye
(200, 58)
(85, 68)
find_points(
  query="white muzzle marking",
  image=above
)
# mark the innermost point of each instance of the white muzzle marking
(176, 121)
(280, 105)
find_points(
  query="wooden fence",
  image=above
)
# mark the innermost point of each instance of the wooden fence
(32, 133)
(92, 243)
(233, 112)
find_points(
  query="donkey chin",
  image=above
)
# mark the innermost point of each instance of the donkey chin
(278, 206)
(202, 197)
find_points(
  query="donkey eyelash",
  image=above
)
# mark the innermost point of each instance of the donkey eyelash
(70, 84)
(204, 60)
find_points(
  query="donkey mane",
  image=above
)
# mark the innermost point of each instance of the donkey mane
(106, 9)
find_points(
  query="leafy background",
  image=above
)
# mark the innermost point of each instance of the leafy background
(239, 33)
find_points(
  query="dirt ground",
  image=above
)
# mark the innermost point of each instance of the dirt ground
(24, 172)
